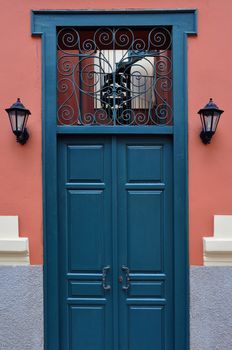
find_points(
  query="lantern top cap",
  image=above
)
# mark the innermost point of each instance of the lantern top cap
(210, 106)
(18, 106)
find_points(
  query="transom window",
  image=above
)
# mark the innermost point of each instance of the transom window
(114, 76)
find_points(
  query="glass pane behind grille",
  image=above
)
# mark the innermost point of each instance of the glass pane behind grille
(114, 76)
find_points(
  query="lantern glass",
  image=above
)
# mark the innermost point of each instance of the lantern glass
(12, 117)
(210, 121)
(215, 121)
(18, 120)
(21, 119)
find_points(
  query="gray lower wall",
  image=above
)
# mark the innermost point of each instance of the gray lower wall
(211, 308)
(21, 308)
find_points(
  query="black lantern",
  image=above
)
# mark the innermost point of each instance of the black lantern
(210, 116)
(18, 116)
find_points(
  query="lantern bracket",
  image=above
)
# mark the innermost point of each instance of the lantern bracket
(206, 137)
(22, 139)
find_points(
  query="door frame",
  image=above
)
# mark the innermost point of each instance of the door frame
(44, 24)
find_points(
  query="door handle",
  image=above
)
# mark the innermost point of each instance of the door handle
(105, 270)
(127, 272)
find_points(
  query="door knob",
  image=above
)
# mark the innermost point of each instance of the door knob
(127, 272)
(104, 276)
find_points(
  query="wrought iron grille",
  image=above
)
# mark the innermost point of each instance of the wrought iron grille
(114, 76)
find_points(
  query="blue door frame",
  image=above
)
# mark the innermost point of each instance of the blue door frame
(183, 23)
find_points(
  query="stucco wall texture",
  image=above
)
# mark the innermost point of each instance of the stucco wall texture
(210, 308)
(21, 308)
(209, 75)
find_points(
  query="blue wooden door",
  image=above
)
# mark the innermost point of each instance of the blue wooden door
(145, 243)
(115, 243)
(85, 244)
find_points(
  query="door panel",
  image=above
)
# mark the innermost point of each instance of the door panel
(94, 174)
(85, 163)
(145, 242)
(86, 237)
(144, 212)
(87, 327)
(148, 338)
(150, 163)
(85, 243)
(86, 289)
(146, 289)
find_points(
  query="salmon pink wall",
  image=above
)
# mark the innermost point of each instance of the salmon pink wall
(209, 75)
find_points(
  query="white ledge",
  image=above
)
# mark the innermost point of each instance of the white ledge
(14, 250)
(218, 249)
(19, 245)
(217, 245)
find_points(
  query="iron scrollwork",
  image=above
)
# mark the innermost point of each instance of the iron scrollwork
(114, 76)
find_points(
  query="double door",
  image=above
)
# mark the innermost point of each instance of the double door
(115, 243)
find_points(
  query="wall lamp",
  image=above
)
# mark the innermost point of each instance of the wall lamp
(210, 116)
(18, 116)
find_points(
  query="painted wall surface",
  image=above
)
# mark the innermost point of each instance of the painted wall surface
(209, 75)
